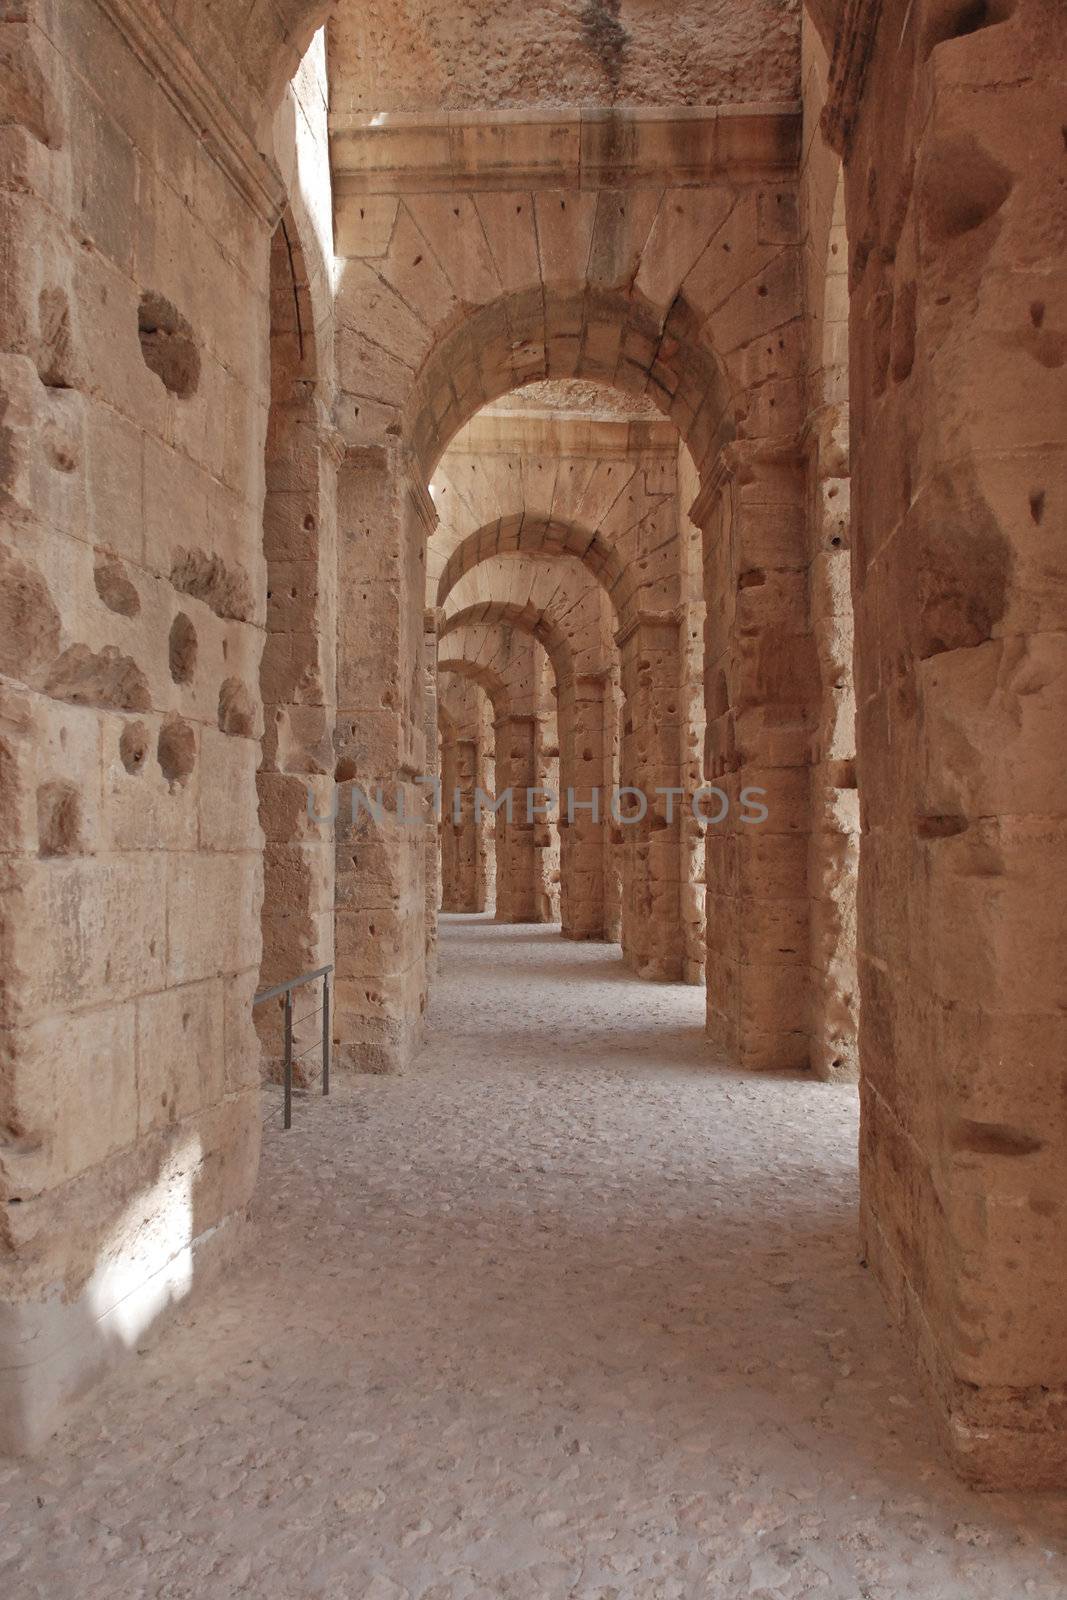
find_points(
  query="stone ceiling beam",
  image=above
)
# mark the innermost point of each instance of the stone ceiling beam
(412, 152)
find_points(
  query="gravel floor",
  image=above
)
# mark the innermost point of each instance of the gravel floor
(570, 1311)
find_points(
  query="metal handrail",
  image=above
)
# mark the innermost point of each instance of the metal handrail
(286, 989)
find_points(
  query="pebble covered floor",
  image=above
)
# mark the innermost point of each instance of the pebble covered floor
(568, 1311)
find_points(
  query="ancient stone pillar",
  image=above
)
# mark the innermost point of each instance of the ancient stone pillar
(462, 866)
(297, 671)
(611, 832)
(433, 770)
(833, 853)
(584, 808)
(650, 804)
(760, 683)
(383, 809)
(521, 890)
(693, 724)
(546, 820)
(951, 124)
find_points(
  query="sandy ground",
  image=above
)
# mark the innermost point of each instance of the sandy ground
(571, 1311)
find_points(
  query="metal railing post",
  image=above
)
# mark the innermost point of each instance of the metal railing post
(326, 1033)
(288, 1058)
(284, 992)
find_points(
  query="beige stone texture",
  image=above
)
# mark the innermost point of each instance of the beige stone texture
(956, 230)
(566, 396)
(413, 55)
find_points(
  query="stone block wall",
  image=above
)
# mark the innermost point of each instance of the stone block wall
(134, 389)
(950, 122)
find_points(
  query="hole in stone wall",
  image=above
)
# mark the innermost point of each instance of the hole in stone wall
(133, 747)
(994, 1139)
(941, 826)
(168, 346)
(902, 337)
(55, 355)
(183, 649)
(176, 751)
(29, 621)
(1037, 505)
(98, 678)
(959, 18)
(965, 187)
(116, 590)
(236, 709)
(58, 819)
(226, 590)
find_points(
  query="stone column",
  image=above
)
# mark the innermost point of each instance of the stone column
(612, 834)
(381, 854)
(954, 156)
(760, 685)
(463, 871)
(520, 886)
(546, 823)
(297, 682)
(581, 716)
(652, 935)
(433, 770)
(833, 855)
(694, 612)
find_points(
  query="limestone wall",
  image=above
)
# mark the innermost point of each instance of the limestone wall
(411, 54)
(134, 319)
(950, 120)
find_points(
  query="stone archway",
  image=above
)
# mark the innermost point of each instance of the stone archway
(504, 651)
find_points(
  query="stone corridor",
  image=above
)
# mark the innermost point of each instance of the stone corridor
(568, 1311)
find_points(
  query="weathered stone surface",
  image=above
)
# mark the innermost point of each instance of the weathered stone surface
(575, 397)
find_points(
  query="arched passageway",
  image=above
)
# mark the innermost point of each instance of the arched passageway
(270, 306)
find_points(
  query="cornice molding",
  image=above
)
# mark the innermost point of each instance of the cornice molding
(628, 147)
(508, 719)
(168, 58)
(669, 621)
(741, 456)
(853, 48)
